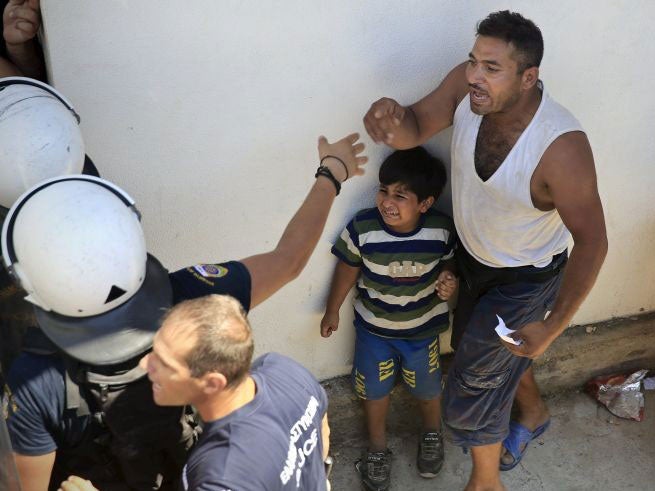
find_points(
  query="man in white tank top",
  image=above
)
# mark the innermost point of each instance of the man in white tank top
(524, 182)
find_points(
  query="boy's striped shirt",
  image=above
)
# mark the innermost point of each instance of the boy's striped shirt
(396, 287)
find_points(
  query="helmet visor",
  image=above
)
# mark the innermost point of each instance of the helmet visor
(119, 334)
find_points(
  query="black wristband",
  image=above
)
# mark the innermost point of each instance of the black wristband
(325, 172)
(345, 167)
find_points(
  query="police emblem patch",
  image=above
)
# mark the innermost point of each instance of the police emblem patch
(8, 403)
(211, 270)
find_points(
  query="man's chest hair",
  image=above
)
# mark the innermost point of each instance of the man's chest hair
(493, 144)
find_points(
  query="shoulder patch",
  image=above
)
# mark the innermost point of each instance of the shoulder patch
(8, 403)
(211, 270)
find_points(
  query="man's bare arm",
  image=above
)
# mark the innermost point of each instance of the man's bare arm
(27, 60)
(406, 127)
(8, 69)
(325, 436)
(571, 180)
(568, 174)
(271, 271)
(34, 472)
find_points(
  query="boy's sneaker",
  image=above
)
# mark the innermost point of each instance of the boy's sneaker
(430, 454)
(375, 470)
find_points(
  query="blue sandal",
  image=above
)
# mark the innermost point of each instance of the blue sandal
(519, 436)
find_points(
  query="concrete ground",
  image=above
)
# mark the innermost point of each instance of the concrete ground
(586, 447)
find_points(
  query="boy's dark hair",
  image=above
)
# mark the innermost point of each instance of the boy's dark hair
(423, 174)
(522, 33)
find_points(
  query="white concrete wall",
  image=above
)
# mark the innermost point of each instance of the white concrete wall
(208, 111)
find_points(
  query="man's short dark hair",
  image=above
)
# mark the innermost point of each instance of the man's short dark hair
(423, 174)
(522, 33)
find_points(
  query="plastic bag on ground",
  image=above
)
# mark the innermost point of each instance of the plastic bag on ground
(620, 394)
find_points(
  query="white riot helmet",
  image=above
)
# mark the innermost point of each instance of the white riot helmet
(76, 246)
(40, 136)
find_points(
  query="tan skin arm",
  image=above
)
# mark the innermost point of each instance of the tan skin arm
(566, 180)
(8, 69)
(325, 436)
(406, 127)
(343, 279)
(272, 270)
(34, 472)
(26, 60)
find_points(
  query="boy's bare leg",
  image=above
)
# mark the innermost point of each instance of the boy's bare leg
(533, 411)
(376, 423)
(485, 475)
(431, 414)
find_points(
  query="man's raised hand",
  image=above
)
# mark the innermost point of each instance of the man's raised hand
(382, 120)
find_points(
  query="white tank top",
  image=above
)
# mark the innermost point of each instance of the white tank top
(495, 219)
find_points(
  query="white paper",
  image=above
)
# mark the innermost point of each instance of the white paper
(649, 383)
(504, 332)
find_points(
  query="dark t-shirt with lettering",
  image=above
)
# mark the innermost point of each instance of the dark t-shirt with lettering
(37, 418)
(273, 443)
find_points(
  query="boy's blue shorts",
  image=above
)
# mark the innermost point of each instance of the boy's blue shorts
(379, 360)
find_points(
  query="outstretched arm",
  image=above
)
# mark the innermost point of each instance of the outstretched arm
(570, 179)
(271, 271)
(406, 127)
(21, 21)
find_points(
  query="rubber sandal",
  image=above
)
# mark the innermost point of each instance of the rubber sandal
(519, 436)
